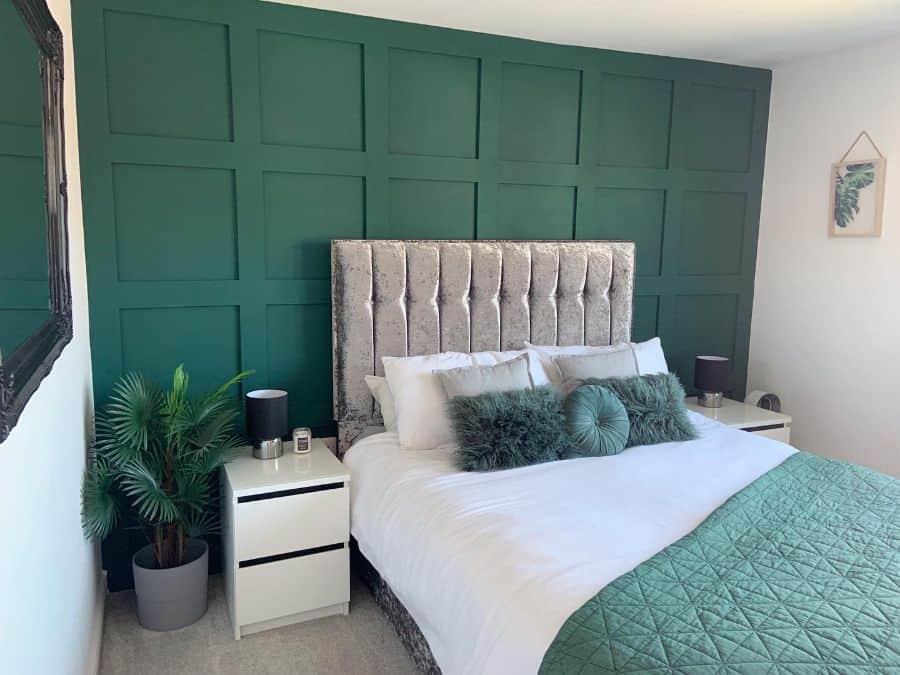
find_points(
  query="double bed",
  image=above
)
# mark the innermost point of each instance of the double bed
(728, 553)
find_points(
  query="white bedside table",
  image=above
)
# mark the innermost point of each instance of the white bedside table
(285, 534)
(747, 417)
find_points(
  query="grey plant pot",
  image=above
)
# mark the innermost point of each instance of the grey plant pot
(175, 597)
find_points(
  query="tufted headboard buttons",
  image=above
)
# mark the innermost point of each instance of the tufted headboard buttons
(405, 298)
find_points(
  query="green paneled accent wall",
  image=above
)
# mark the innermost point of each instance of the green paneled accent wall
(224, 144)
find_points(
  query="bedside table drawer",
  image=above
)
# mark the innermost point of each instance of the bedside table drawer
(276, 589)
(782, 434)
(270, 525)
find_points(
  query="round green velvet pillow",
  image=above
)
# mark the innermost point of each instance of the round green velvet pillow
(596, 421)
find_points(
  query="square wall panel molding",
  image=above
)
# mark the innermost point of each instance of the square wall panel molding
(721, 128)
(155, 340)
(630, 213)
(712, 232)
(303, 213)
(429, 209)
(311, 91)
(174, 223)
(433, 104)
(232, 141)
(540, 113)
(534, 212)
(635, 121)
(168, 77)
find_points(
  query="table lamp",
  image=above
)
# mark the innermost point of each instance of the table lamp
(267, 421)
(711, 374)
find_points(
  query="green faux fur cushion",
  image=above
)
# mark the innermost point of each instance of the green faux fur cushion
(504, 430)
(655, 405)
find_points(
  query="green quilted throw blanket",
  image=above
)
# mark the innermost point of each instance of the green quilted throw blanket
(797, 573)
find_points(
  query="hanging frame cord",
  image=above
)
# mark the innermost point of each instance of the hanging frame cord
(853, 145)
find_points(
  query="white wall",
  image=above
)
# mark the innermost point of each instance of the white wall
(826, 313)
(49, 575)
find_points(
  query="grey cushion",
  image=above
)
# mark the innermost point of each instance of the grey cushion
(474, 380)
(614, 363)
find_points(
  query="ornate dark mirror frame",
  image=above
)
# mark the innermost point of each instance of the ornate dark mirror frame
(22, 372)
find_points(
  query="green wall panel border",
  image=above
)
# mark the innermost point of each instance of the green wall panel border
(379, 128)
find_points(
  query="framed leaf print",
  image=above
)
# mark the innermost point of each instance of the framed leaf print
(857, 196)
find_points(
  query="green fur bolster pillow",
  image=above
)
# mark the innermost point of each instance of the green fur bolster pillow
(655, 406)
(509, 429)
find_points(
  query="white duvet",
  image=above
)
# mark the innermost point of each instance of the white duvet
(490, 565)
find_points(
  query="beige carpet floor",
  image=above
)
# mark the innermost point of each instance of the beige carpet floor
(362, 642)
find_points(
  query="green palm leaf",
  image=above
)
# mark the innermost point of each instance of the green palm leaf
(225, 386)
(99, 510)
(216, 432)
(193, 491)
(109, 443)
(129, 417)
(152, 502)
(207, 463)
(201, 524)
(213, 403)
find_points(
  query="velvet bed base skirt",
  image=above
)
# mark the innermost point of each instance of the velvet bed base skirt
(403, 623)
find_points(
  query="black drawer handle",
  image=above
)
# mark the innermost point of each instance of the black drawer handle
(764, 427)
(288, 493)
(287, 556)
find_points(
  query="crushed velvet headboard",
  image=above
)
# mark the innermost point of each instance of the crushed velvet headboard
(405, 298)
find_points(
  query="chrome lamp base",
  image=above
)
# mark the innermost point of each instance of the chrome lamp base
(710, 399)
(268, 449)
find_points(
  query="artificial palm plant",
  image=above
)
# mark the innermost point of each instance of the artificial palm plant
(159, 450)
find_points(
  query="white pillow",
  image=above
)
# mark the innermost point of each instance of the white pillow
(546, 354)
(419, 399)
(535, 366)
(381, 392)
(650, 357)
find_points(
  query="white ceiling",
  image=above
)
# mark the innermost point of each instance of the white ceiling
(746, 32)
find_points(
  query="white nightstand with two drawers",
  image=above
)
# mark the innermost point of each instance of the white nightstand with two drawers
(285, 536)
(747, 418)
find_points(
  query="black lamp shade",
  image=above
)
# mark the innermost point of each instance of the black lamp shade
(712, 373)
(267, 415)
